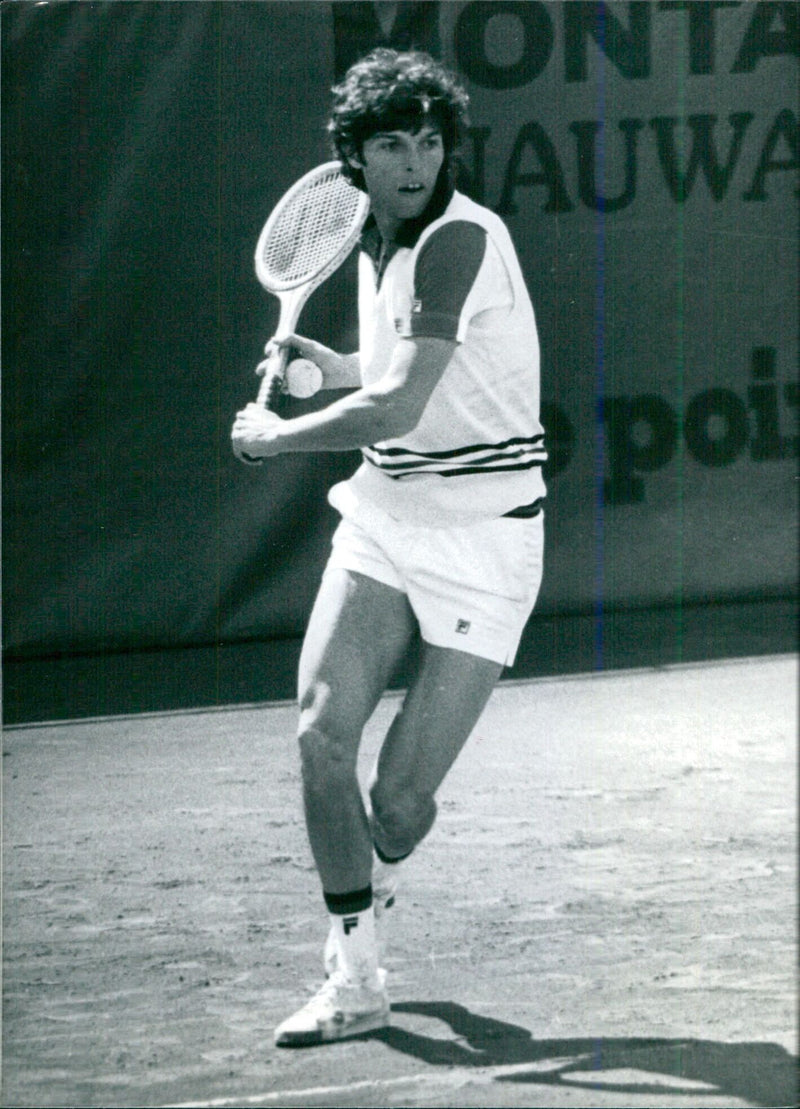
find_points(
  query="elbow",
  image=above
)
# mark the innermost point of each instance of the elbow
(395, 418)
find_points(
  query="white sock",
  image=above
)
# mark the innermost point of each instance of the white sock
(358, 948)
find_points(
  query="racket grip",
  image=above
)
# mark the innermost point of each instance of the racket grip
(274, 375)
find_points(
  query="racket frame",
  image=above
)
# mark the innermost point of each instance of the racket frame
(293, 293)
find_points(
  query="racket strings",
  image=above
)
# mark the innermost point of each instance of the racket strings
(311, 229)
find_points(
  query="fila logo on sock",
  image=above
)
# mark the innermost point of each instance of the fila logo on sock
(462, 627)
(349, 923)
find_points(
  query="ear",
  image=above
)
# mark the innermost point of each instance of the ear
(352, 156)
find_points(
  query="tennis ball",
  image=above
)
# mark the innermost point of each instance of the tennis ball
(303, 378)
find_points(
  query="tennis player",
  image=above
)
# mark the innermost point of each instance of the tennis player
(442, 525)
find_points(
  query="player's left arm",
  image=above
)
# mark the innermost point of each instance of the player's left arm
(446, 269)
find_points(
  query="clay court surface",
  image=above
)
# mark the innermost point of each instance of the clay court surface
(604, 915)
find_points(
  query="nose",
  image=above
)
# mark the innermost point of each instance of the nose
(413, 160)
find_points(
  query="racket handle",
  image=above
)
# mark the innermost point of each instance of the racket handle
(274, 374)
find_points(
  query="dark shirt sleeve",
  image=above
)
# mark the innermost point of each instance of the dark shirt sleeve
(446, 268)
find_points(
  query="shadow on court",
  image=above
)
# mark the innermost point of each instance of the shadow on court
(764, 1074)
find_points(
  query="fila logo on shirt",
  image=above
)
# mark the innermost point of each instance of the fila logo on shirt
(349, 923)
(463, 626)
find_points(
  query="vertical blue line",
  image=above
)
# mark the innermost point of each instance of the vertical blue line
(597, 1055)
(680, 339)
(600, 354)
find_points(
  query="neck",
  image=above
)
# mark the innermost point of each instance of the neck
(387, 226)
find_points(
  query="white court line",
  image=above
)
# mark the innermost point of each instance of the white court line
(453, 1079)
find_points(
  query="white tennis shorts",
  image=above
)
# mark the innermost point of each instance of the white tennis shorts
(471, 588)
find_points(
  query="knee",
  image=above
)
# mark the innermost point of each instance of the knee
(327, 751)
(401, 818)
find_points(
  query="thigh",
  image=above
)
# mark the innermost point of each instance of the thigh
(358, 632)
(444, 701)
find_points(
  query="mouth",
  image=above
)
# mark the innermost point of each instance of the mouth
(411, 190)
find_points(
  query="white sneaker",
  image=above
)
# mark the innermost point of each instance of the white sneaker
(384, 888)
(341, 1008)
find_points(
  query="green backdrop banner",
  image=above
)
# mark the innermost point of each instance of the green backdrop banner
(645, 158)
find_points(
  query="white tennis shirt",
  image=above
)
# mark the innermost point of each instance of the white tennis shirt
(478, 449)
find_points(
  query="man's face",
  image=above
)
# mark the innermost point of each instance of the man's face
(400, 172)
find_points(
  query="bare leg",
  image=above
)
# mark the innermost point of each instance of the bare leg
(442, 706)
(358, 631)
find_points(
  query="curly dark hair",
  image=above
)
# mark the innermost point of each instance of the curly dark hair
(389, 90)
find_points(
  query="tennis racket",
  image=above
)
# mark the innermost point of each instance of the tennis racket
(310, 232)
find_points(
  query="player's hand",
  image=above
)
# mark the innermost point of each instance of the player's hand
(255, 434)
(322, 356)
(336, 369)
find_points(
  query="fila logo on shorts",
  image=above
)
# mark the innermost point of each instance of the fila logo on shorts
(462, 627)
